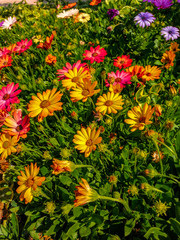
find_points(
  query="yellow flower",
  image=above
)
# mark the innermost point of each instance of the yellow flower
(168, 58)
(38, 39)
(151, 73)
(86, 140)
(109, 102)
(45, 104)
(28, 182)
(83, 91)
(83, 17)
(60, 166)
(139, 117)
(115, 88)
(7, 144)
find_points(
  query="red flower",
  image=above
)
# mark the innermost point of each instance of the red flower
(5, 61)
(95, 54)
(70, 5)
(123, 61)
(23, 45)
(95, 2)
(47, 44)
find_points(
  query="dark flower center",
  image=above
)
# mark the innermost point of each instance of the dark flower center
(89, 142)
(85, 92)
(142, 119)
(45, 104)
(170, 32)
(94, 54)
(118, 79)
(6, 96)
(19, 128)
(29, 182)
(6, 144)
(75, 79)
(108, 103)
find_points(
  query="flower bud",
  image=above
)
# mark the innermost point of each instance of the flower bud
(151, 173)
(74, 115)
(158, 110)
(160, 208)
(173, 91)
(50, 207)
(169, 125)
(116, 195)
(65, 152)
(113, 179)
(47, 155)
(133, 190)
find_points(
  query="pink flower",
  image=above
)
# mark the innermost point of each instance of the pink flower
(123, 78)
(68, 67)
(4, 52)
(8, 96)
(23, 45)
(17, 125)
(95, 54)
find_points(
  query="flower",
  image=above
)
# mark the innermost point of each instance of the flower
(122, 78)
(109, 102)
(83, 17)
(144, 19)
(122, 62)
(5, 61)
(8, 95)
(112, 13)
(136, 70)
(84, 194)
(62, 166)
(4, 52)
(8, 23)
(139, 117)
(17, 126)
(162, 4)
(7, 144)
(70, 5)
(74, 77)
(29, 181)
(69, 13)
(155, 156)
(158, 110)
(115, 88)
(95, 54)
(160, 208)
(151, 73)
(95, 2)
(50, 59)
(11, 48)
(1, 23)
(170, 32)
(83, 91)
(47, 44)
(45, 104)
(3, 116)
(133, 190)
(23, 45)
(86, 140)
(168, 59)
(37, 39)
(174, 47)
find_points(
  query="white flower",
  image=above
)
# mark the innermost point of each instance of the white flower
(67, 14)
(8, 23)
(73, 12)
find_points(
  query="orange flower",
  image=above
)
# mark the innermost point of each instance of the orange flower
(4, 165)
(84, 194)
(95, 2)
(136, 70)
(151, 73)
(70, 5)
(158, 110)
(5, 61)
(3, 116)
(11, 48)
(168, 59)
(174, 47)
(50, 59)
(62, 166)
(47, 44)
(115, 88)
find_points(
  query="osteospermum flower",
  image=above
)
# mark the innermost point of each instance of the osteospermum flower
(70, 5)
(95, 54)
(109, 102)
(151, 73)
(139, 117)
(112, 13)
(5, 61)
(84, 194)
(23, 45)
(69, 13)
(174, 47)
(8, 95)
(3, 116)
(7, 145)
(123, 62)
(115, 88)
(122, 78)
(4, 52)
(47, 44)
(60, 166)
(29, 181)
(95, 2)
(170, 33)
(86, 140)
(8, 23)
(83, 17)
(144, 19)
(16, 125)
(84, 91)
(162, 4)
(45, 104)
(50, 59)
(136, 70)
(168, 59)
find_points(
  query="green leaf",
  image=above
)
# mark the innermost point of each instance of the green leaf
(155, 231)
(77, 211)
(54, 142)
(65, 180)
(177, 210)
(15, 224)
(177, 144)
(44, 170)
(129, 226)
(175, 225)
(73, 229)
(52, 230)
(84, 231)
(157, 62)
(67, 128)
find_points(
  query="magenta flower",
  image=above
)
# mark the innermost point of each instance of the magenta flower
(160, 4)
(4, 52)
(123, 78)
(1, 23)
(95, 54)
(144, 19)
(23, 45)
(8, 95)
(112, 13)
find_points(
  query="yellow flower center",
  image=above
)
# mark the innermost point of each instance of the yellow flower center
(108, 103)
(94, 54)
(45, 104)
(6, 144)
(29, 182)
(142, 119)
(6, 96)
(19, 128)
(85, 92)
(89, 142)
(75, 79)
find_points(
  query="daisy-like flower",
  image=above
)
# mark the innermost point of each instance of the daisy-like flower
(122, 78)
(115, 88)
(1, 23)
(109, 102)
(139, 117)
(74, 77)
(45, 104)
(151, 73)
(8, 95)
(170, 33)
(23, 45)
(60, 166)
(86, 140)
(11, 48)
(7, 145)
(136, 70)
(155, 156)
(84, 194)
(112, 13)
(16, 125)
(95, 54)
(50, 59)
(83, 91)
(70, 5)
(95, 2)
(83, 17)
(168, 59)
(5, 61)
(174, 47)
(47, 44)
(122, 62)
(3, 116)
(144, 19)
(28, 182)
(8, 23)
(67, 14)
(4, 52)
(162, 4)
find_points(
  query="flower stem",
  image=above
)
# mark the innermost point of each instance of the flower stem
(168, 148)
(92, 102)
(163, 175)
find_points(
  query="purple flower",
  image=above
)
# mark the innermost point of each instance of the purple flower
(1, 23)
(178, 1)
(162, 4)
(112, 13)
(170, 33)
(144, 19)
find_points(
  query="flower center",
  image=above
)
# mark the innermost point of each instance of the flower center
(118, 79)
(121, 62)
(85, 92)
(94, 54)
(75, 79)
(170, 32)
(6, 96)
(19, 128)
(89, 142)
(6, 144)
(45, 104)
(109, 103)
(29, 182)
(142, 119)
(148, 74)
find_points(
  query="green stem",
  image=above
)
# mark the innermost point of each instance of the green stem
(86, 166)
(56, 116)
(170, 178)
(92, 103)
(135, 164)
(167, 147)
(157, 148)
(33, 80)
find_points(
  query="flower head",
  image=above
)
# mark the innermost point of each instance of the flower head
(122, 78)
(86, 140)
(123, 62)
(4, 52)
(5, 61)
(83, 17)
(8, 95)
(168, 59)
(23, 45)
(162, 4)
(144, 19)
(60, 166)
(8, 23)
(170, 33)
(151, 73)
(112, 13)
(47, 44)
(95, 2)
(160, 208)
(136, 71)
(70, 5)
(45, 104)
(50, 59)
(7, 145)
(69, 13)
(95, 54)
(174, 47)
(29, 181)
